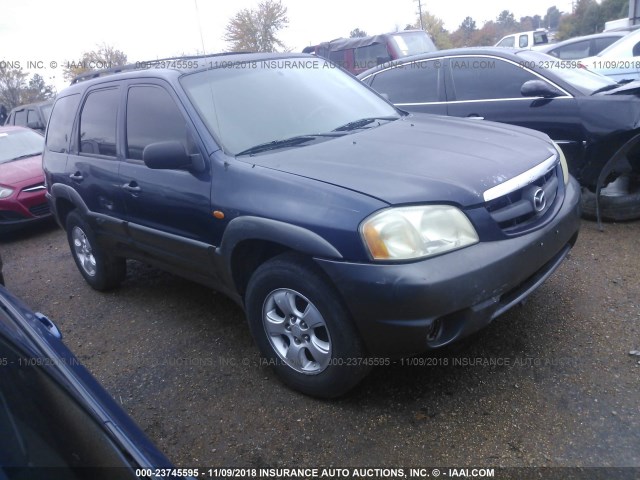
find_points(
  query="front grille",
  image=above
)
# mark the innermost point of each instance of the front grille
(40, 210)
(527, 205)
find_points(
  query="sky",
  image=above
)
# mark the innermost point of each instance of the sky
(41, 34)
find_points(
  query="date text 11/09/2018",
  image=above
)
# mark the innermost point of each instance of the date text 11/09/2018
(331, 473)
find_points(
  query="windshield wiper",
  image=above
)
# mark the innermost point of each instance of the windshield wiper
(363, 122)
(606, 88)
(287, 142)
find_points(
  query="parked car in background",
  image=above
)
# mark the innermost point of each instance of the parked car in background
(22, 190)
(56, 419)
(34, 116)
(590, 116)
(582, 47)
(531, 40)
(620, 61)
(345, 228)
(359, 54)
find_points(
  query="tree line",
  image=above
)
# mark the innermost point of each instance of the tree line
(587, 17)
(257, 30)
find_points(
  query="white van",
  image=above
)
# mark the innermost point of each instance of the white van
(530, 40)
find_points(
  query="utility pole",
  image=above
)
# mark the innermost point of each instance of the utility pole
(420, 13)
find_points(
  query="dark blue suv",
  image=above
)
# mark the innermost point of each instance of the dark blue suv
(348, 230)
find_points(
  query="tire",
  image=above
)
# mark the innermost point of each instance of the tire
(612, 208)
(101, 271)
(321, 357)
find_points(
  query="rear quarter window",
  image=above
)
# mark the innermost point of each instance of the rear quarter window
(20, 118)
(61, 123)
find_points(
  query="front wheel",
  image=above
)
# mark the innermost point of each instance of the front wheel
(620, 201)
(100, 270)
(302, 328)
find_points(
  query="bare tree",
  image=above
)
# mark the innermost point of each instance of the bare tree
(256, 30)
(37, 90)
(105, 56)
(12, 86)
(357, 33)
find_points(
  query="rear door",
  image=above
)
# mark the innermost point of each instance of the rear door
(94, 161)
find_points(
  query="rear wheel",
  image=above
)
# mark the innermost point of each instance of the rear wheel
(302, 328)
(101, 271)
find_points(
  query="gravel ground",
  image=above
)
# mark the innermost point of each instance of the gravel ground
(550, 383)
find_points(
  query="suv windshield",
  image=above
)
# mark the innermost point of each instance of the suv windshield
(255, 102)
(581, 78)
(19, 144)
(413, 43)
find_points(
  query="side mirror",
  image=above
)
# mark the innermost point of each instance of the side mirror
(37, 125)
(170, 155)
(538, 88)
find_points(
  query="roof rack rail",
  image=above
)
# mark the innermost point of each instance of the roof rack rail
(142, 65)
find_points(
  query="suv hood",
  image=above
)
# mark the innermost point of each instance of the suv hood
(419, 158)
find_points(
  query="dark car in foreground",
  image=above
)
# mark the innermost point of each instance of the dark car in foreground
(594, 119)
(348, 230)
(22, 190)
(56, 421)
(34, 116)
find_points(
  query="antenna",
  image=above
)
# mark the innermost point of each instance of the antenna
(199, 26)
(420, 10)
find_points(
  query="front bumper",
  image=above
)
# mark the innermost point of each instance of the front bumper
(403, 309)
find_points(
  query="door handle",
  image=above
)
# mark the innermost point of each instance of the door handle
(76, 177)
(132, 187)
(475, 117)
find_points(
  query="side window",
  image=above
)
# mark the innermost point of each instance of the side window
(540, 38)
(523, 42)
(575, 51)
(338, 58)
(367, 57)
(410, 83)
(61, 123)
(20, 118)
(98, 123)
(153, 116)
(508, 42)
(32, 116)
(487, 78)
(602, 43)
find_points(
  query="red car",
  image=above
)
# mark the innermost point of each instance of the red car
(22, 190)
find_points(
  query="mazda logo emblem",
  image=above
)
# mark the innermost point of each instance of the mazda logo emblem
(539, 200)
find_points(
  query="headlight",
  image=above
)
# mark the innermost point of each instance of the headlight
(5, 191)
(563, 163)
(414, 232)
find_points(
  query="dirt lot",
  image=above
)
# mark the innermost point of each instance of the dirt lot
(550, 383)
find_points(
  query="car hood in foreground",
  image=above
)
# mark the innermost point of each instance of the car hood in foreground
(419, 158)
(19, 171)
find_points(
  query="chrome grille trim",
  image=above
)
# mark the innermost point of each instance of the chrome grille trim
(522, 180)
(35, 188)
